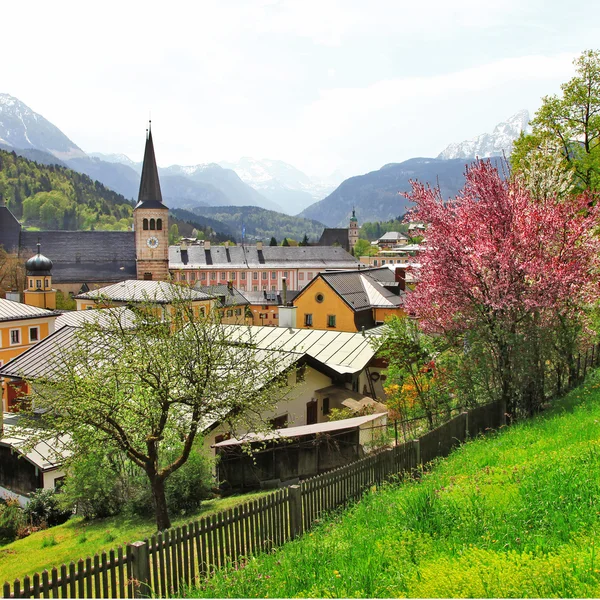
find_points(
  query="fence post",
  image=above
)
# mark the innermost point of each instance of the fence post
(466, 414)
(140, 570)
(295, 506)
(417, 444)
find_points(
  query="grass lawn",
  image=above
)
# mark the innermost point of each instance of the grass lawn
(516, 514)
(78, 538)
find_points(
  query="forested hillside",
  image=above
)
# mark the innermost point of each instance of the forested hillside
(54, 197)
(261, 224)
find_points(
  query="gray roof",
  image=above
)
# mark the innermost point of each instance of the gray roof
(227, 296)
(331, 236)
(270, 257)
(42, 360)
(365, 288)
(16, 311)
(135, 290)
(99, 316)
(270, 297)
(84, 256)
(392, 236)
(10, 229)
(342, 351)
(288, 432)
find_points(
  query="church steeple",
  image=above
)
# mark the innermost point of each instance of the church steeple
(151, 222)
(150, 195)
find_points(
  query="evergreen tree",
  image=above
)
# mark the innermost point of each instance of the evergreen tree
(285, 242)
(304, 241)
(273, 242)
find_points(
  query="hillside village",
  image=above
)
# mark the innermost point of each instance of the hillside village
(148, 374)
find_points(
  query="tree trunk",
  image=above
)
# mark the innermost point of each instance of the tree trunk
(160, 503)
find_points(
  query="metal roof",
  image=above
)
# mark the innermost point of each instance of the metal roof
(99, 316)
(302, 430)
(342, 351)
(135, 290)
(15, 311)
(46, 455)
(43, 359)
(270, 257)
(392, 236)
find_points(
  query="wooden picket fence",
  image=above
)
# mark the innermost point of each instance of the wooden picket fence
(174, 559)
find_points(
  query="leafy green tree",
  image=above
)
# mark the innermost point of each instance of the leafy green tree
(147, 391)
(568, 125)
(273, 242)
(364, 248)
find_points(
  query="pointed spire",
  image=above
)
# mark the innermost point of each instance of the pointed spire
(149, 184)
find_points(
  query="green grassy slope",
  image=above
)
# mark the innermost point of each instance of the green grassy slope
(512, 515)
(78, 538)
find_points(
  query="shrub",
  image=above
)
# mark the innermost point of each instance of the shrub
(12, 519)
(43, 507)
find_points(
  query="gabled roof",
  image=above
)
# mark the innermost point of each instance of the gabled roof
(228, 296)
(136, 290)
(270, 257)
(392, 236)
(150, 195)
(363, 289)
(15, 311)
(341, 351)
(269, 297)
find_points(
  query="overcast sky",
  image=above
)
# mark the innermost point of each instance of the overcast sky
(324, 85)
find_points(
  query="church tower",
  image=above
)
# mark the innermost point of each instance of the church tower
(353, 230)
(38, 291)
(151, 222)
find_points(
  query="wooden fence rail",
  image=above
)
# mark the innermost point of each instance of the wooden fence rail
(182, 556)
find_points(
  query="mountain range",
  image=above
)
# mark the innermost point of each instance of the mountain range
(269, 184)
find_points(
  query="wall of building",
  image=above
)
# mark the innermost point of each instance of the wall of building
(294, 405)
(381, 314)
(330, 304)
(9, 350)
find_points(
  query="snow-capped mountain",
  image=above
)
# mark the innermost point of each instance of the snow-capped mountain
(497, 143)
(282, 183)
(21, 127)
(121, 159)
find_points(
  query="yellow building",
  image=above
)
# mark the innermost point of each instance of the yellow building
(39, 290)
(349, 300)
(21, 327)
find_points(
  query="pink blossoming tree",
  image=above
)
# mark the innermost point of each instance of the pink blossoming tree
(512, 269)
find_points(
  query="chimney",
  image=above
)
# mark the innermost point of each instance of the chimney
(206, 245)
(259, 245)
(284, 282)
(400, 277)
(226, 244)
(287, 316)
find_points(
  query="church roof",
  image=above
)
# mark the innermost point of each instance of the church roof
(10, 229)
(331, 236)
(91, 256)
(150, 195)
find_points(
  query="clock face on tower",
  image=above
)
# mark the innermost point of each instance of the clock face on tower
(152, 242)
